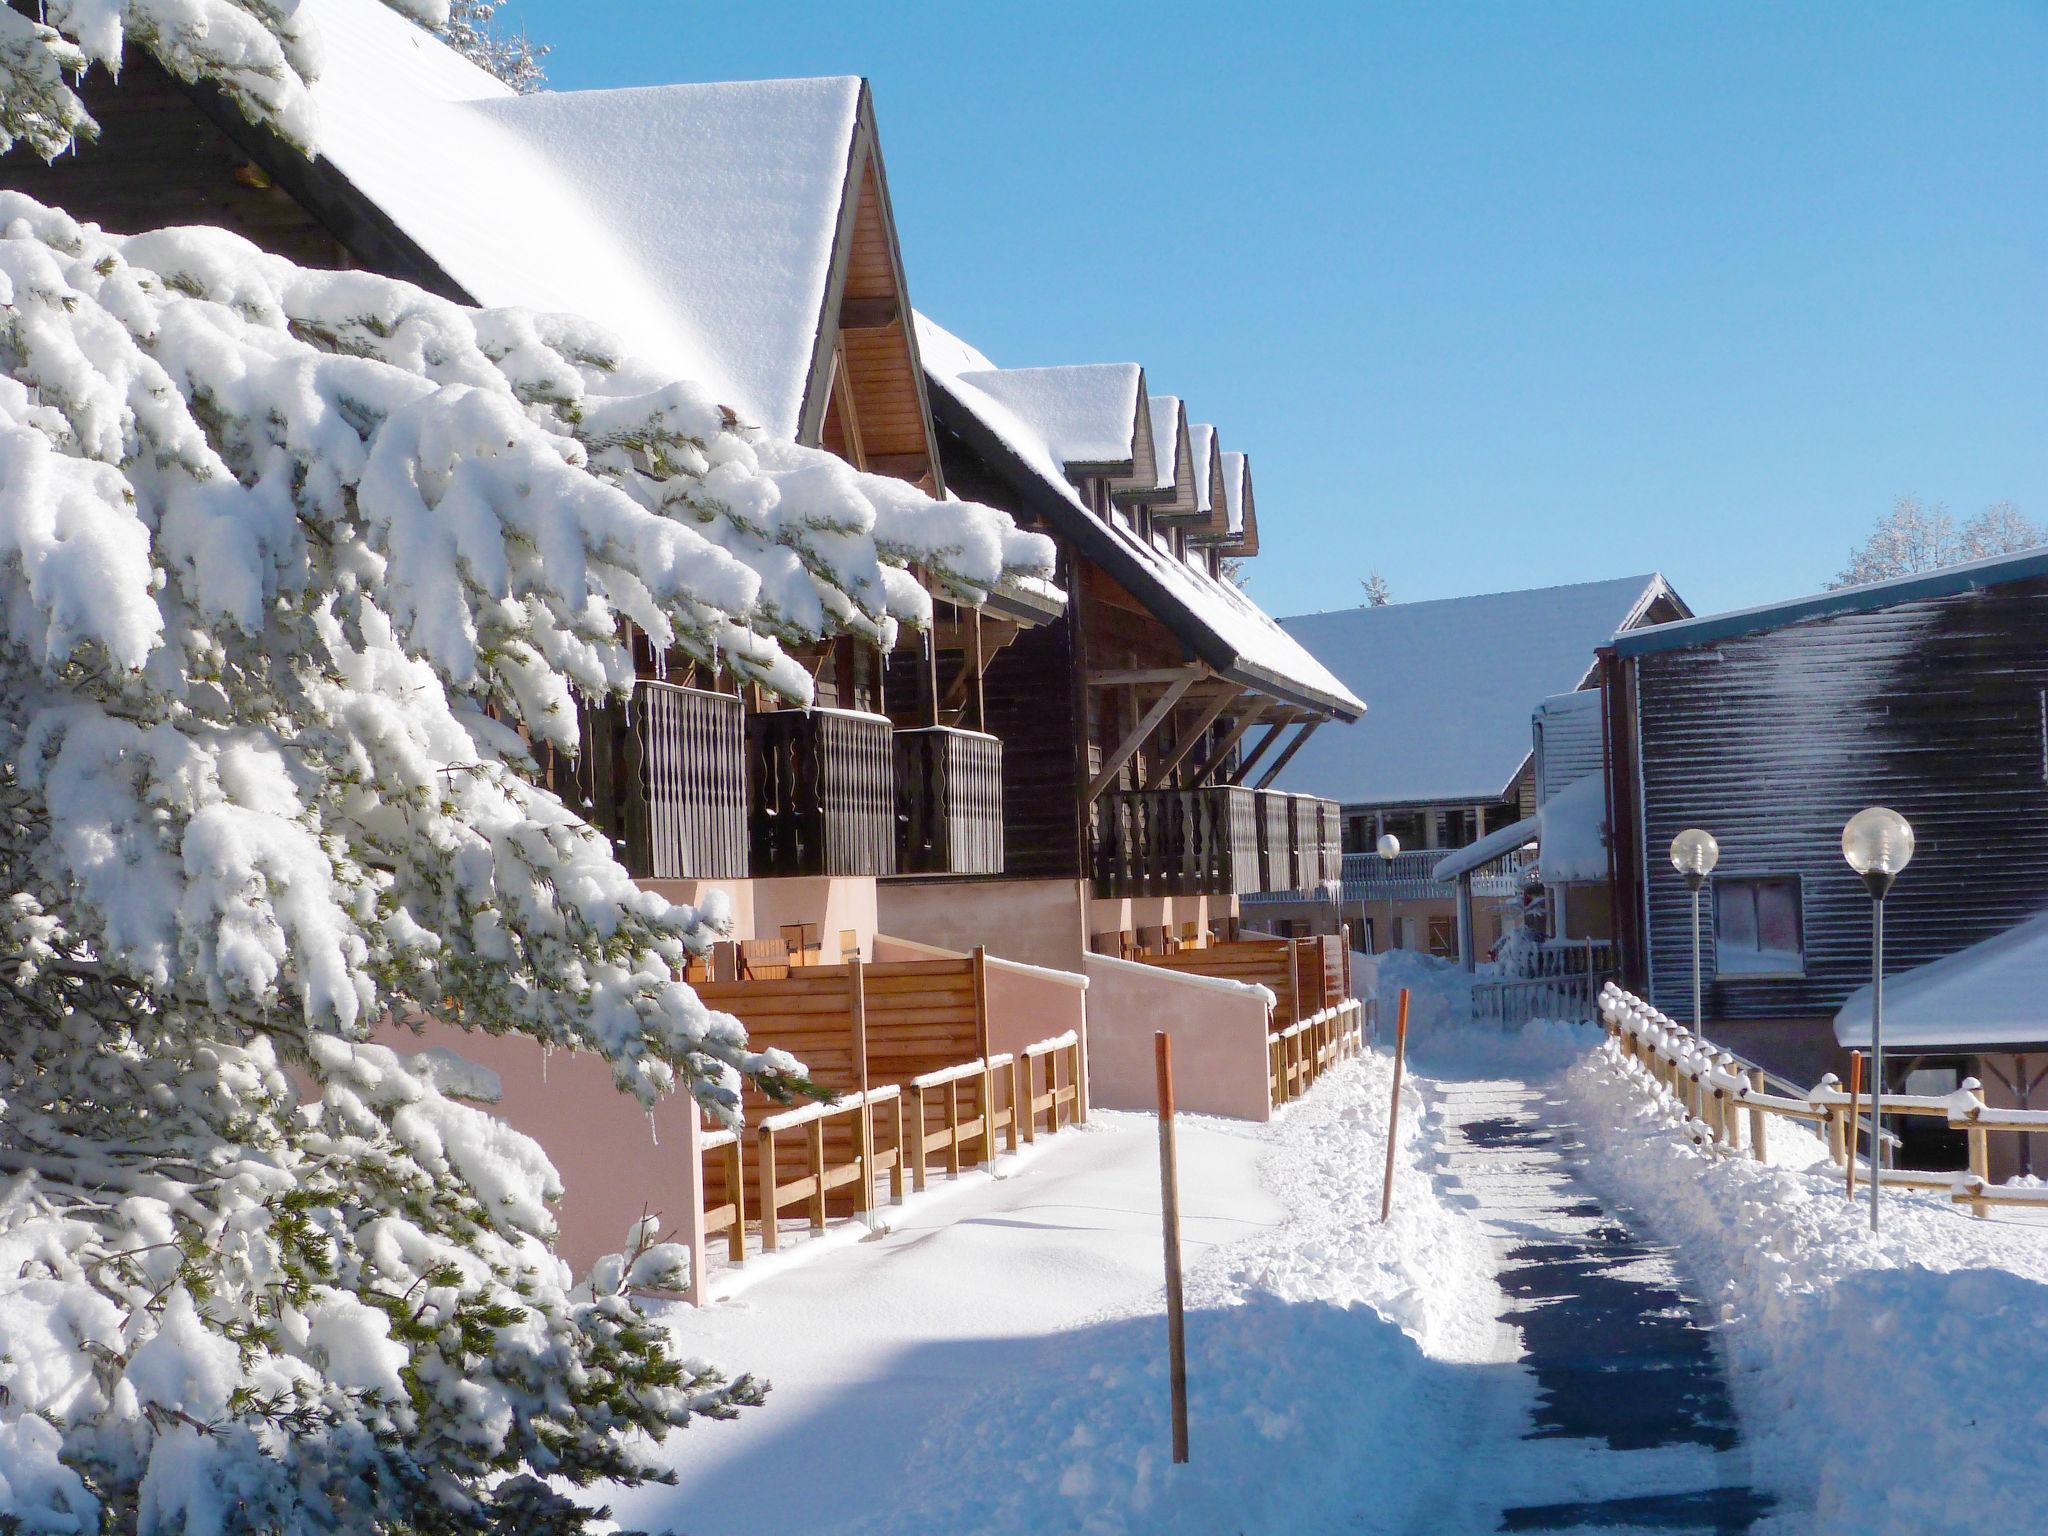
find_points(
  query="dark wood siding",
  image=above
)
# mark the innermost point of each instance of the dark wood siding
(161, 160)
(1772, 741)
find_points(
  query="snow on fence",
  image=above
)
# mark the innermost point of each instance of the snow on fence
(1720, 1092)
(1303, 1052)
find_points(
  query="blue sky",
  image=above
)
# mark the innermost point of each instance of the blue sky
(1494, 295)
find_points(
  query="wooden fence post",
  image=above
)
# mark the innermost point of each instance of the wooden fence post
(1394, 1112)
(765, 1165)
(1757, 1117)
(1855, 1087)
(917, 1142)
(1169, 1220)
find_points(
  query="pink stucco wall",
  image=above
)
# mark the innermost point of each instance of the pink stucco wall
(1219, 1040)
(616, 1161)
(1036, 921)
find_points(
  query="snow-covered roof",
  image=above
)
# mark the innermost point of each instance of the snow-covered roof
(1202, 445)
(1226, 628)
(1237, 476)
(1496, 844)
(1086, 413)
(1989, 994)
(695, 221)
(1572, 827)
(1169, 441)
(1970, 576)
(1452, 683)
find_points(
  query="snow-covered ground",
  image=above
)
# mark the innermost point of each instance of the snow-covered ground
(996, 1361)
(1887, 1385)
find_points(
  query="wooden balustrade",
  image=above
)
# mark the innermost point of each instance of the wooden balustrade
(949, 802)
(1303, 1052)
(663, 775)
(822, 1173)
(823, 793)
(1721, 1093)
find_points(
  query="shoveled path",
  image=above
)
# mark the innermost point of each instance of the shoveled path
(1630, 1427)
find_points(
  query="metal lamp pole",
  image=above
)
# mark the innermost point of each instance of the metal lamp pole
(1389, 847)
(1694, 854)
(1878, 843)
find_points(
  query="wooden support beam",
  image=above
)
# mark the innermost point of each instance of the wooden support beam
(1191, 736)
(1128, 747)
(1128, 677)
(1230, 739)
(871, 314)
(1251, 758)
(900, 466)
(1308, 729)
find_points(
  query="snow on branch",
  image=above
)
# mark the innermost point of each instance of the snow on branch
(295, 566)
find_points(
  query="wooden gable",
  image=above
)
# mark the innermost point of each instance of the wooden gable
(1215, 522)
(866, 399)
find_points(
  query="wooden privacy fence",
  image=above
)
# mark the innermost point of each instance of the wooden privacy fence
(1721, 1094)
(1303, 1052)
(903, 1047)
(1305, 975)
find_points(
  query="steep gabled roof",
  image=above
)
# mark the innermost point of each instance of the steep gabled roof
(1453, 682)
(1088, 413)
(700, 223)
(1216, 622)
(1239, 507)
(1212, 498)
(1172, 494)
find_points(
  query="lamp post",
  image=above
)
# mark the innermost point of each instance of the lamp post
(1878, 843)
(1389, 847)
(1694, 854)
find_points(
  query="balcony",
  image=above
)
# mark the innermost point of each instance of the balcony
(823, 799)
(1318, 842)
(663, 775)
(1220, 840)
(949, 802)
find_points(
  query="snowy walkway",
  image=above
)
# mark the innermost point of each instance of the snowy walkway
(1631, 1427)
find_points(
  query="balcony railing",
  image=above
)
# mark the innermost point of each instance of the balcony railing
(1220, 840)
(1368, 877)
(823, 798)
(949, 802)
(663, 775)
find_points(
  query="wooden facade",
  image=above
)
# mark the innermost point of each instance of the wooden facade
(1772, 738)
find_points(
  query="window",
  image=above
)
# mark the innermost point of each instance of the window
(1757, 928)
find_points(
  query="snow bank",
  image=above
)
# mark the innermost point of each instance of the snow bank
(1281, 1440)
(1887, 1385)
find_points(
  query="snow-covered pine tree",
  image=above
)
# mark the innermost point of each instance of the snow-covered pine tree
(1378, 593)
(293, 565)
(512, 56)
(259, 52)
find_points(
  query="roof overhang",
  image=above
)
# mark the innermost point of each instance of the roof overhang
(1098, 543)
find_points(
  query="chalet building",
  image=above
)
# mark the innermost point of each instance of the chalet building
(739, 235)
(1770, 728)
(1448, 759)
(1142, 730)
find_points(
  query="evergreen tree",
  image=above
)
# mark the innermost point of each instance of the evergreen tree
(293, 565)
(1377, 593)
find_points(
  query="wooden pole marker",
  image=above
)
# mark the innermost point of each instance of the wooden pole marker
(1849, 1137)
(1169, 1212)
(1394, 1111)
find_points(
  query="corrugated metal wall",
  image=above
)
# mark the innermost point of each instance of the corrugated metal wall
(1772, 741)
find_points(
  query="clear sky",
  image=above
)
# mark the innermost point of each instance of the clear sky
(1494, 295)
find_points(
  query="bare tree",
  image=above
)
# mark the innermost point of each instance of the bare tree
(1914, 536)
(1377, 593)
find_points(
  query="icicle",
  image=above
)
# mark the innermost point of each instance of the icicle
(653, 1135)
(546, 1055)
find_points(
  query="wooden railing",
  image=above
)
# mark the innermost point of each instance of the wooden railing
(1303, 1052)
(823, 793)
(663, 775)
(1720, 1093)
(949, 802)
(903, 1046)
